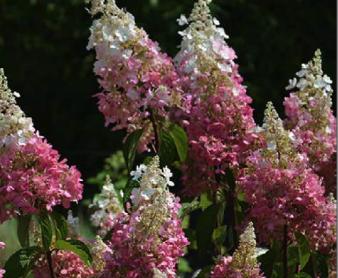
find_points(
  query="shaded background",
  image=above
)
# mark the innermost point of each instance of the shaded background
(43, 50)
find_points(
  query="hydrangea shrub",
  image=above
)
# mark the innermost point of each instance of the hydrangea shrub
(204, 190)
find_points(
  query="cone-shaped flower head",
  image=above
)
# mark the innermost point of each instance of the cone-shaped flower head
(243, 262)
(15, 128)
(139, 82)
(149, 240)
(217, 117)
(107, 205)
(282, 190)
(32, 177)
(310, 117)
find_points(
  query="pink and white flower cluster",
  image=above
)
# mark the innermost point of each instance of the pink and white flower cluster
(32, 176)
(107, 205)
(310, 117)
(138, 81)
(218, 117)
(243, 263)
(65, 264)
(282, 190)
(148, 239)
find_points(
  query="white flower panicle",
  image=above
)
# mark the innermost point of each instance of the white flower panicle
(152, 199)
(311, 76)
(314, 93)
(15, 127)
(203, 41)
(152, 180)
(280, 147)
(111, 32)
(107, 205)
(245, 255)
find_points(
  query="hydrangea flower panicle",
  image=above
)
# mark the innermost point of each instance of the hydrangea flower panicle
(138, 81)
(243, 263)
(32, 176)
(65, 264)
(148, 240)
(216, 114)
(309, 115)
(282, 190)
(107, 206)
(15, 127)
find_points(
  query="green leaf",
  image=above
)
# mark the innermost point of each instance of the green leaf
(60, 225)
(76, 246)
(130, 147)
(21, 262)
(302, 275)
(303, 250)
(167, 152)
(173, 144)
(46, 230)
(205, 226)
(23, 229)
(219, 235)
(180, 139)
(183, 266)
(205, 201)
(188, 207)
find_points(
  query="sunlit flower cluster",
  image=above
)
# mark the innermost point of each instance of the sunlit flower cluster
(32, 176)
(282, 190)
(107, 205)
(65, 264)
(139, 82)
(310, 117)
(243, 263)
(15, 128)
(149, 239)
(217, 115)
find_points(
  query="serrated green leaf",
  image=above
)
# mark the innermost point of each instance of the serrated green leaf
(303, 250)
(46, 230)
(60, 225)
(130, 147)
(180, 139)
(23, 229)
(76, 246)
(167, 152)
(20, 263)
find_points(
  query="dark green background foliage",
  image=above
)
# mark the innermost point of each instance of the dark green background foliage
(43, 51)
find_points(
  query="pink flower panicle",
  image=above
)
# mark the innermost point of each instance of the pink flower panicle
(149, 239)
(282, 190)
(218, 119)
(65, 264)
(32, 177)
(243, 263)
(138, 81)
(310, 117)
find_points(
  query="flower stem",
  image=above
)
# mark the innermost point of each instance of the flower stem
(157, 140)
(50, 264)
(285, 251)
